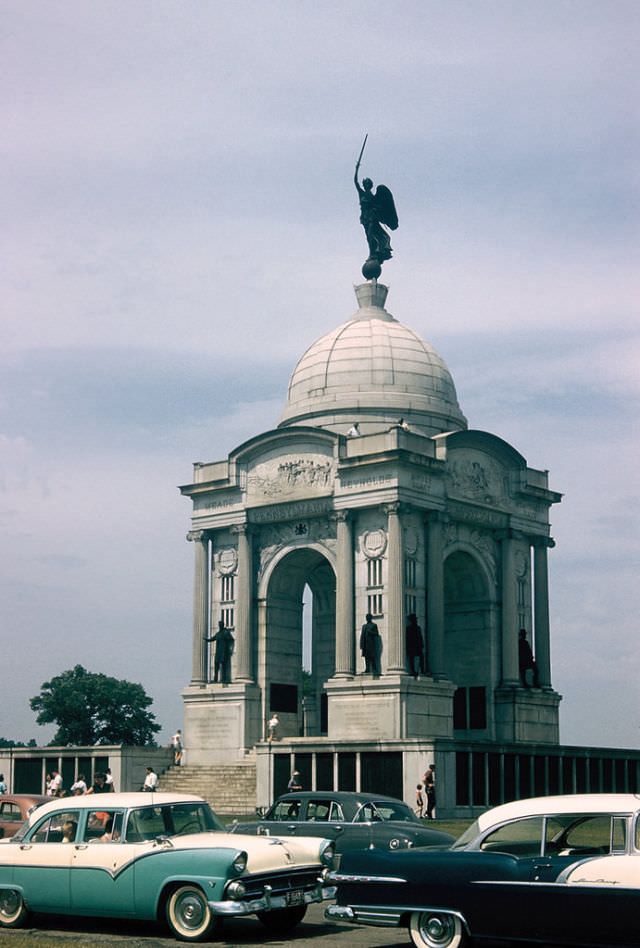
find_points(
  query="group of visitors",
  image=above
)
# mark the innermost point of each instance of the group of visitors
(102, 783)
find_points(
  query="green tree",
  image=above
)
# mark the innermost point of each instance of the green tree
(92, 708)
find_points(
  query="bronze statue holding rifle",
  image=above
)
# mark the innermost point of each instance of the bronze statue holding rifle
(376, 209)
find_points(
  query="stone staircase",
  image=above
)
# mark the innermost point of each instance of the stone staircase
(229, 788)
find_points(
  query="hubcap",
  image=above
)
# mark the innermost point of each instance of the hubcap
(438, 930)
(9, 903)
(191, 912)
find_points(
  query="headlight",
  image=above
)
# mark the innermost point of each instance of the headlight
(235, 890)
(239, 864)
(327, 852)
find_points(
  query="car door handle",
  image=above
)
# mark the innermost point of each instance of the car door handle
(25, 846)
(543, 865)
(292, 827)
(82, 846)
(338, 829)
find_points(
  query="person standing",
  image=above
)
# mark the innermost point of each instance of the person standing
(100, 784)
(79, 787)
(415, 646)
(295, 784)
(56, 783)
(272, 727)
(371, 647)
(108, 779)
(429, 781)
(3, 786)
(150, 781)
(419, 810)
(176, 743)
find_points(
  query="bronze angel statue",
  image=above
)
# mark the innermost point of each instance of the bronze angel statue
(376, 209)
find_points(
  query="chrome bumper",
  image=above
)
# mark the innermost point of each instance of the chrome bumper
(267, 902)
(361, 915)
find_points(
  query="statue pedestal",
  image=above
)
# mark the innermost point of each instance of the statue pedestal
(392, 707)
(527, 715)
(221, 722)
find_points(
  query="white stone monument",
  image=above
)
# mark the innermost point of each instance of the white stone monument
(374, 494)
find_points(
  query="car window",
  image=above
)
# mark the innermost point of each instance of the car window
(637, 834)
(367, 813)
(285, 810)
(585, 833)
(336, 812)
(59, 828)
(318, 810)
(519, 838)
(104, 826)
(10, 813)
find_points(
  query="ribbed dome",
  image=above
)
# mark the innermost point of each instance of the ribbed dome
(372, 370)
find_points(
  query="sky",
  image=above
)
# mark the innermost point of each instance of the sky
(180, 223)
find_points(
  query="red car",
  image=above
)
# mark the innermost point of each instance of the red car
(14, 809)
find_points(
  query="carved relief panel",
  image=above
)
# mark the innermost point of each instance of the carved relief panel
(284, 477)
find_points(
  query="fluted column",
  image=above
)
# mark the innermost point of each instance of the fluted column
(541, 612)
(435, 596)
(200, 606)
(510, 670)
(242, 653)
(395, 591)
(345, 661)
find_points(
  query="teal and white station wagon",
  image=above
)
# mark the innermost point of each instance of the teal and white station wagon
(153, 856)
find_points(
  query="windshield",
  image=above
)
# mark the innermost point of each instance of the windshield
(467, 837)
(176, 819)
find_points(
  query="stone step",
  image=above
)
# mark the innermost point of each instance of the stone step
(229, 788)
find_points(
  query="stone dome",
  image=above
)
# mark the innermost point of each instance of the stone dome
(372, 370)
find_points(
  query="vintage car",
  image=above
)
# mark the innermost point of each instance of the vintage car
(155, 856)
(552, 870)
(15, 808)
(351, 820)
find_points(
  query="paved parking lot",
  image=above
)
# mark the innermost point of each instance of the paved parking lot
(248, 933)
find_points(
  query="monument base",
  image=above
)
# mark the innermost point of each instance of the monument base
(527, 715)
(222, 723)
(392, 707)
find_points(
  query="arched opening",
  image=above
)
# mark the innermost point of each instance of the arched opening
(471, 658)
(299, 642)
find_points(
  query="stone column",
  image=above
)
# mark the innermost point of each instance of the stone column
(541, 612)
(510, 670)
(435, 596)
(395, 592)
(241, 662)
(345, 661)
(200, 606)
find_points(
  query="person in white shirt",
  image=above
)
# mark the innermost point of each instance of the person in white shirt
(151, 780)
(56, 783)
(79, 787)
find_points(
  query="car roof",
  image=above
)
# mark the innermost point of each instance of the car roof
(340, 796)
(105, 801)
(567, 803)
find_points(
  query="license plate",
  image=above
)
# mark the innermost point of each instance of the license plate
(296, 897)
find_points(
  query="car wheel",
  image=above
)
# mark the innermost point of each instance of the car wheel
(436, 930)
(283, 920)
(13, 911)
(188, 914)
